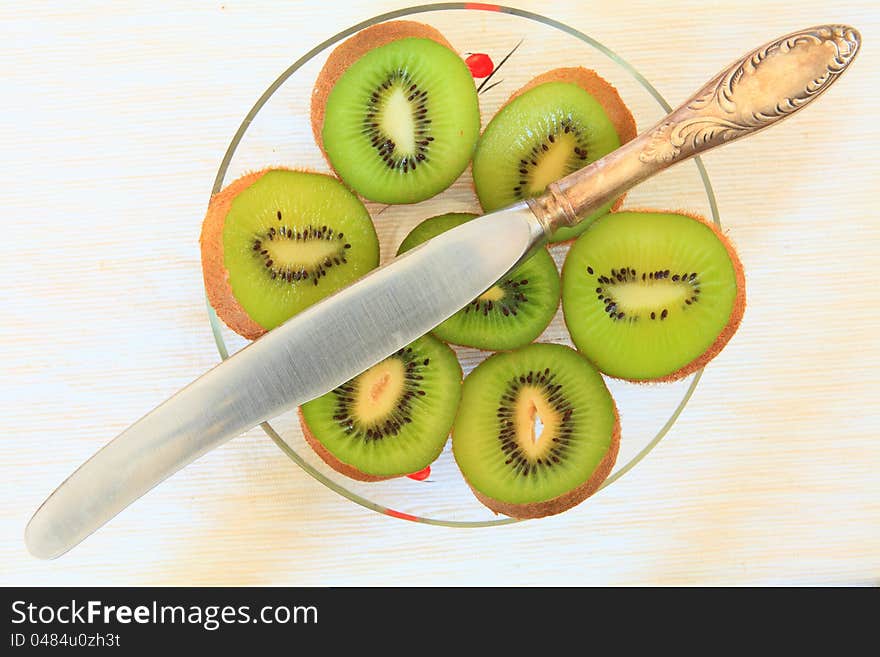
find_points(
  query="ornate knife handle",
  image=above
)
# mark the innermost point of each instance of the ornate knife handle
(758, 90)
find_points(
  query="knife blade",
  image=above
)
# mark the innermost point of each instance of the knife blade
(290, 365)
(390, 307)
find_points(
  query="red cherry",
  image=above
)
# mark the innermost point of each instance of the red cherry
(480, 64)
(421, 475)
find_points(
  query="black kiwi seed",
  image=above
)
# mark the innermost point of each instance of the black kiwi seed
(507, 305)
(529, 164)
(517, 459)
(384, 146)
(309, 233)
(626, 275)
(345, 416)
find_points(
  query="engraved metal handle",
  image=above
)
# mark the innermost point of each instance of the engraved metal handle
(763, 87)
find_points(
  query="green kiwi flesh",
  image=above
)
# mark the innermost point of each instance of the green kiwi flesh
(510, 314)
(401, 123)
(536, 431)
(393, 419)
(290, 239)
(539, 137)
(651, 295)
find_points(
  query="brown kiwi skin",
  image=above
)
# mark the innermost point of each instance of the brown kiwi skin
(214, 269)
(352, 49)
(562, 502)
(332, 461)
(600, 89)
(736, 313)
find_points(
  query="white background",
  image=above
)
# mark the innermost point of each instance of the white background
(114, 120)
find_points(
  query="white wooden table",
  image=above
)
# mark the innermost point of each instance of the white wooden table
(115, 117)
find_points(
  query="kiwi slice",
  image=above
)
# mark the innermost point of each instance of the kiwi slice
(352, 49)
(536, 432)
(391, 420)
(400, 124)
(276, 241)
(558, 123)
(511, 313)
(652, 295)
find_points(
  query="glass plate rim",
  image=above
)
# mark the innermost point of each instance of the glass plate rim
(339, 36)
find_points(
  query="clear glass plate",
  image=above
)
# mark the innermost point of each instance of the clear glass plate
(277, 131)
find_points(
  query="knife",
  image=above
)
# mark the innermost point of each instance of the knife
(392, 306)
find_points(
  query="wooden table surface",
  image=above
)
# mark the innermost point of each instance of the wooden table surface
(115, 117)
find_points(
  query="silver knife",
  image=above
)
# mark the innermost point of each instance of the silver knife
(392, 306)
